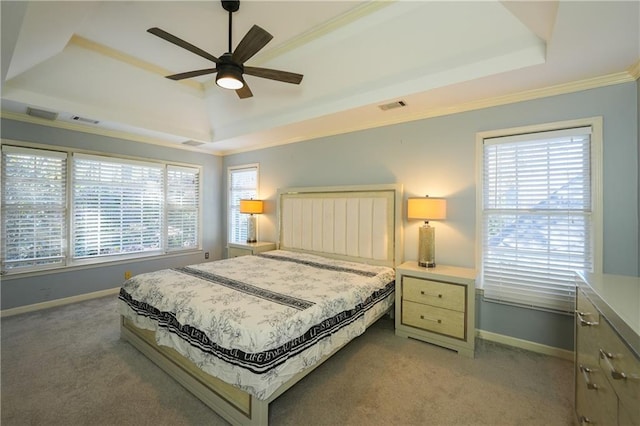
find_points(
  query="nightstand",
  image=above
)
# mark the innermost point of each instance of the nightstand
(245, 249)
(437, 305)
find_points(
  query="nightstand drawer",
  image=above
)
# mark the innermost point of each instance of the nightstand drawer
(438, 320)
(442, 295)
(235, 252)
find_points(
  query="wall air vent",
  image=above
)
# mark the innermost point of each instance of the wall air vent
(392, 105)
(40, 113)
(193, 143)
(84, 120)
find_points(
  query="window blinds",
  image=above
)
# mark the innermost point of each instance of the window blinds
(117, 206)
(183, 207)
(243, 184)
(536, 217)
(33, 207)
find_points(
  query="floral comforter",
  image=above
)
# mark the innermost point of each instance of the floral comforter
(255, 321)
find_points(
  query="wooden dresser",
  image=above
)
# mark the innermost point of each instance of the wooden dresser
(436, 305)
(607, 360)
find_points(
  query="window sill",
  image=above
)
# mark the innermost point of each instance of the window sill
(93, 264)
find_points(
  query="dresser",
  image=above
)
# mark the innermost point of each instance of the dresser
(607, 355)
(246, 249)
(436, 305)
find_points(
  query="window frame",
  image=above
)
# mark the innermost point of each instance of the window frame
(596, 146)
(69, 262)
(230, 206)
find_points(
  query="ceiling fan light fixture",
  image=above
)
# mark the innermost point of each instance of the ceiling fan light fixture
(229, 77)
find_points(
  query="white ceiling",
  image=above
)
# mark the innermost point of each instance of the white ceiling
(96, 60)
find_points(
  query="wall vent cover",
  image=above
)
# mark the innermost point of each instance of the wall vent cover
(392, 105)
(193, 143)
(40, 113)
(84, 120)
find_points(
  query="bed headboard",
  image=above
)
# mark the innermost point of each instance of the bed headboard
(359, 223)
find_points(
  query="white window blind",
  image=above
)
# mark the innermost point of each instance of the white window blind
(183, 207)
(537, 224)
(243, 184)
(33, 208)
(117, 206)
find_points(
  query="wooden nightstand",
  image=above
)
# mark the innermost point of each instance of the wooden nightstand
(245, 249)
(437, 305)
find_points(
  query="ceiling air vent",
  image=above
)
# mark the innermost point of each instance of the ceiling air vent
(84, 120)
(392, 105)
(40, 113)
(193, 143)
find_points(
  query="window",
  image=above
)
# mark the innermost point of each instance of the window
(119, 208)
(538, 221)
(183, 208)
(34, 208)
(243, 184)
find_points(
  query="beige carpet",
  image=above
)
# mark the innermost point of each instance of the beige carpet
(68, 366)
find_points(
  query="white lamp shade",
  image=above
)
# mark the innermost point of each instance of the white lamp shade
(427, 208)
(251, 206)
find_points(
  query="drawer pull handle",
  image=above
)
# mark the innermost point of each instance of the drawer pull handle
(585, 420)
(430, 319)
(615, 374)
(431, 294)
(586, 371)
(583, 322)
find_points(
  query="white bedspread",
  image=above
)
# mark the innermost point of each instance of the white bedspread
(255, 321)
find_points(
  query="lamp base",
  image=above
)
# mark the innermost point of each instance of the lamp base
(427, 246)
(251, 229)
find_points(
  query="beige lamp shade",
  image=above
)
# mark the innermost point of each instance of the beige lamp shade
(427, 208)
(251, 206)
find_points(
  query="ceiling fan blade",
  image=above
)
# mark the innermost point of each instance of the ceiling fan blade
(179, 42)
(252, 42)
(190, 74)
(285, 76)
(244, 92)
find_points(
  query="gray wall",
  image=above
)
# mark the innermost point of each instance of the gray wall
(36, 288)
(433, 156)
(437, 157)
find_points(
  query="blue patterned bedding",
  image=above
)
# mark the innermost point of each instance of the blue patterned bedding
(255, 321)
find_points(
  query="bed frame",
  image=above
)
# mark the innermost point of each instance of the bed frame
(357, 223)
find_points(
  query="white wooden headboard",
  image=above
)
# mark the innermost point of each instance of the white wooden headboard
(360, 223)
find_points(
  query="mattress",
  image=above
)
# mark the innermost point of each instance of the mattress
(256, 321)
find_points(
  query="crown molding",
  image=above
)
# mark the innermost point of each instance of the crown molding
(571, 87)
(560, 89)
(634, 70)
(98, 131)
(527, 95)
(76, 40)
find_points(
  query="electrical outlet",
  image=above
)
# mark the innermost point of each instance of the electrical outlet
(127, 275)
(206, 255)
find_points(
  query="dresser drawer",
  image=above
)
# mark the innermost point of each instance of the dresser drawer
(588, 329)
(442, 295)
(596, 402)
(438, 320)
(617, 362)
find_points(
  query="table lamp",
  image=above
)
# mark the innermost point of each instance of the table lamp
(251, 207)
(426, 208)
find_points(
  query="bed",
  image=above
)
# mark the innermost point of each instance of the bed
(239, 332)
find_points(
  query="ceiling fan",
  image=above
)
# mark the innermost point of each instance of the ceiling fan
(230, 66)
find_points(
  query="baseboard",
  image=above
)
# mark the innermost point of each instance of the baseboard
(525, 344)
(57, 302)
